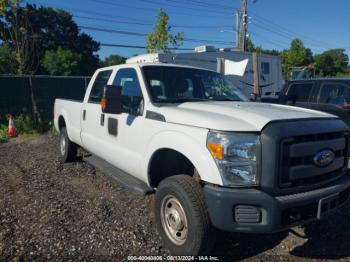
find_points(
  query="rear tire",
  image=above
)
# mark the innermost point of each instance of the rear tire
(182, 218)
(68, 149)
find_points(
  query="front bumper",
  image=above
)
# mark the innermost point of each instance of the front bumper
(275, 213)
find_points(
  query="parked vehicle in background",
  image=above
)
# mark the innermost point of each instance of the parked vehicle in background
(212, 159)
(327, 95)
(268, 68)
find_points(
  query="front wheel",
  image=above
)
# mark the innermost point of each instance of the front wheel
(68, 149)
(182, 218)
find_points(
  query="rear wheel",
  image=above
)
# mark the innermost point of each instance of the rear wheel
(182, 218)
(68, 149)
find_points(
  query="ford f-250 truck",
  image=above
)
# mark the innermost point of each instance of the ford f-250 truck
(213, 160)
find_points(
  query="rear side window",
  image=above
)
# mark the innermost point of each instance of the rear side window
(334, 94)
(98, 86)
(299, 93)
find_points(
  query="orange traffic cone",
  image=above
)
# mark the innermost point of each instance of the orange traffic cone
(11, 132)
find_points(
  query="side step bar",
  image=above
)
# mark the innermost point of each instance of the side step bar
(119, 177)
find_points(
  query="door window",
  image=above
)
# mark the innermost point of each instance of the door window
(98, 86)
(127, 80)
(299, 93)
(334, 94)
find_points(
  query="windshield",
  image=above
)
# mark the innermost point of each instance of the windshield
(177, 84)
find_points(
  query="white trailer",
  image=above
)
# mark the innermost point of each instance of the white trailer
(265, 80)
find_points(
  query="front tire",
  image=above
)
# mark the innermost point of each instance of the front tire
(182, 218)
(68, 149)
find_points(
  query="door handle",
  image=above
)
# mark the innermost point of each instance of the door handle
(84, 114)
(102, 119)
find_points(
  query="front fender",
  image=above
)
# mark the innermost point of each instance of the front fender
(192, 145)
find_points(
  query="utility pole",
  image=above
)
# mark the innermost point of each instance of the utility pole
(243, 37)
(237, 30)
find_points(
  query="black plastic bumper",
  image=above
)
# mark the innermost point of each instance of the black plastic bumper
(275, 212)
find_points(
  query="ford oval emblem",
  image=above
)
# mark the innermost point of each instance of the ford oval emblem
(324, 158)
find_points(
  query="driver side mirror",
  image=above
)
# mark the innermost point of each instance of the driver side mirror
(111, 102)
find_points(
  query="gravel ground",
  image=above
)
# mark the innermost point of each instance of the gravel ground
(55, 211)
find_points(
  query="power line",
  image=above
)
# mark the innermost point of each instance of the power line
(286, 35)
(112, 20)
(263, 38)
(288, 31)
(282, 31)
(147, 24)
(203, 4)
(219, 14)
(211, 11)
(138, 20)
(194, 40)
(281, 34)
(140, 47)
(264, 23)
(66, 8)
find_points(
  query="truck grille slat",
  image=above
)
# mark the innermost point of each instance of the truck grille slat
(306, 171)
(297, 164)
(309, 148)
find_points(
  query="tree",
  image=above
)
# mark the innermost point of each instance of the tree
(252, 48)
(15, 30)
(161, 38)
(62, 62)
(113, 60)
(332, 62)
(8, 63)
(296, 55)
(3, 6)
(47, 29)
(56, 28)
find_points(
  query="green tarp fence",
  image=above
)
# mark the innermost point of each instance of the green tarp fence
(18, 92)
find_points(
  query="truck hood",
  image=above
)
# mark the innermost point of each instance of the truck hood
(234, 116)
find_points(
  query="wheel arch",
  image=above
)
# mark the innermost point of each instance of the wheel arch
(166, 162)
(63, 121)
(182, 147)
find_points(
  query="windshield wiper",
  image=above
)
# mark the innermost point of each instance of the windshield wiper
(224, 98)
(181, 100)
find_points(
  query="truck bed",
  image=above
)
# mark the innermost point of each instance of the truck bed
(71, 111)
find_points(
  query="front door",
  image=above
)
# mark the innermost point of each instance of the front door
(125, 134)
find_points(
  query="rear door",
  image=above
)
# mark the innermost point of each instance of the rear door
(93, 126)
(334, 98)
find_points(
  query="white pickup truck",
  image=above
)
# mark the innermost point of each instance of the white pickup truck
(213, 159)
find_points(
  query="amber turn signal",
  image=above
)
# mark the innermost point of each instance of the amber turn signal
(216, 150)
(103, 103)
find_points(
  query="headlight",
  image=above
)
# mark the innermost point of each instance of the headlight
(236, 156)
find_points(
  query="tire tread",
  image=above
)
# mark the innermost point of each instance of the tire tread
(195, 195)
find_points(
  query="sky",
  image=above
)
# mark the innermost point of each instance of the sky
(320, 24)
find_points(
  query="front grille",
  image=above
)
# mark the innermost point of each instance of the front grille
(297, 167)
